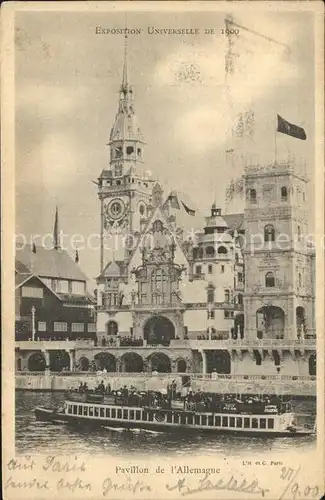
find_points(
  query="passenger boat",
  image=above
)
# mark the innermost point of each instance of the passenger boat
(110, 411)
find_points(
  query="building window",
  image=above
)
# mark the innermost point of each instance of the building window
(60, 326)
(269, 280)
(91, 327)
(77, 327)
(111, 328)
(299, 279)
(252, 195)
(78, 287)
(240, 299)
(227, 296)
(41, 327)
(236, 258)
(284, 193)
(226, 314)
(129, 150)
(269, 233)
(211, 315)
(141, 209)
(222, 250)
(32, 292)
(139, 152)
(63, 286)
(299, 233)
(198, 270)
(210, 297)
(222, 269)
(209, 269)
(209, 251)
(240, 277)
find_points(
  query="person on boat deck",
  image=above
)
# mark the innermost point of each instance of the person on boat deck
(174, 387)
(108, 388)
(214, 374)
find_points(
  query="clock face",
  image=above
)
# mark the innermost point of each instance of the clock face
(115, 209)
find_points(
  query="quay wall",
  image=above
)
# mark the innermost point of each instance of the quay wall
(56, 382)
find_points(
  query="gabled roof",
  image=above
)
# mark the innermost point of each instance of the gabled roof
(50, 263)
(106, 174)
(234, 221)
(114, 268)
(32, 276)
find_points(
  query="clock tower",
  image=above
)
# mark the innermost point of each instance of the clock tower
(124, 189)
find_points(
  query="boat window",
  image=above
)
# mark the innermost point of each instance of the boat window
(144, 416)
(150, 415)
(96, 411)
(169, 417)
(138, 415)
(197, 419)
(108, 412)
(113, 413)
(263, 423)
(86, 411)
(204, 420)
(79, 410)
(119, 413)
(254, 423)
(183, 419)
(239, 422)
(102, 412)
(217, 421)
(125, 414)
(69, 408)
(210, 420)
(246, 423)
(75, 409)
(91, 411)
(270, 423)
(189, 419)
(232, 422)
(224, 421)
(131, 414)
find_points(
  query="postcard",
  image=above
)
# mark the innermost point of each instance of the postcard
(163, 250)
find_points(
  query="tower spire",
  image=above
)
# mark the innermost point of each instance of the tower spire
(56, 235)
(125, 64)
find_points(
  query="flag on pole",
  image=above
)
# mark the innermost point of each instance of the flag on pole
(34, 248)
(76, 257)
(290, 129)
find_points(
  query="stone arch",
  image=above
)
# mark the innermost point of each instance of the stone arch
(59, 360)
(219, 361)
(36, 362)
(160, 362)
(111, 327)
(312, 364)
(105, 360)
(270, 322)
(83, 364)
(159, 330)
(181, 365)
(131, 362)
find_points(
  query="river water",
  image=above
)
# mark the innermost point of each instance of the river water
(35, 437)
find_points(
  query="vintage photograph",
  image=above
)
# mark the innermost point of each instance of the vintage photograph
(165, 240)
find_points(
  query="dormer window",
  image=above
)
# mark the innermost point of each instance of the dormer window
(129, 150)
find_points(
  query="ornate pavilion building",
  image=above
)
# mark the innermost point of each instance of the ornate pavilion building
(188, 293)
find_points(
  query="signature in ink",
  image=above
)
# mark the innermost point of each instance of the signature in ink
(230, 484)
(134, 487)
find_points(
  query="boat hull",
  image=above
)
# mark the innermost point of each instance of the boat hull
(52, 416)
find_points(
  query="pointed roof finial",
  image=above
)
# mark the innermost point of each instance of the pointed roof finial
(56, 231)
(125, 64)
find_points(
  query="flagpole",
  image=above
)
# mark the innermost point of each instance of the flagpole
(275, 144)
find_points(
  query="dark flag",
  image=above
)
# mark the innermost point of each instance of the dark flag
(188, 210)
(56, 236)
(290, 129)
(34, 248)
(76, 257)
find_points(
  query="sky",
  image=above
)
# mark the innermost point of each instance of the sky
(67, 79)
